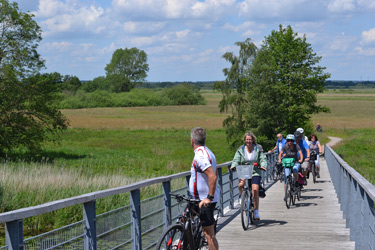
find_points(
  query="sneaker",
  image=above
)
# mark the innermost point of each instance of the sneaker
(256, 215)
(284, 198)
(318, 176)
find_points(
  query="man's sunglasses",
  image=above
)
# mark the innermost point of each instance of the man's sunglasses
(289, 140)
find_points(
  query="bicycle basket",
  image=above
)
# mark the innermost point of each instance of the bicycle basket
(288, 162)
(245, 171)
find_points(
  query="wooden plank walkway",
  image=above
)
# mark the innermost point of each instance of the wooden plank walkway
(315, 222)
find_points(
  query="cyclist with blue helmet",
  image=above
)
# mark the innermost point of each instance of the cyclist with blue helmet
(291, 150)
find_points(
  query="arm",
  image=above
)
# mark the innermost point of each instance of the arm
(212, 178)
(281, 153)
(273, 149)
(300, 156)
(263, 161)
(308, 154)
(236, 160)
(320, 148)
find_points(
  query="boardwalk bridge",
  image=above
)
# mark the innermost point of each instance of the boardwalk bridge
(337, 212)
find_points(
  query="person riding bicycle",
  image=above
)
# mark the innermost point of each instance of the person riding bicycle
(315, 147)
(305, 152)
(251, 152)
(304, 137)
(291, 150)
(279, 143)
(202, 184)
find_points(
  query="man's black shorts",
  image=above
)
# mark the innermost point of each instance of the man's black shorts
(207, 215)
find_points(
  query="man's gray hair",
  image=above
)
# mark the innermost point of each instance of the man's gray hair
(198, 135)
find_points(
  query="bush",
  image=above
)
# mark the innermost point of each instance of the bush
(184, 94)
(178, 95)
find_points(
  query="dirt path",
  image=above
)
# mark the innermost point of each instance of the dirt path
(333, 141)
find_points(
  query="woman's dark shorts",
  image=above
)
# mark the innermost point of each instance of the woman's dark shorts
(256, 180)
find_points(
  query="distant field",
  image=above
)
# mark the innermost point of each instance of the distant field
(348, 111)
(159, 117)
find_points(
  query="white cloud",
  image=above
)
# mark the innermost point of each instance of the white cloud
(143, 27)
(368, 38)
(173, 9)
(351, 6)
(342, 6)
(71, 16)
(239, 28)
(281, 10)
(59, 46)
(365, 52)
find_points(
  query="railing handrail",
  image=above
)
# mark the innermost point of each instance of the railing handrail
(363, 182)
(63, 203)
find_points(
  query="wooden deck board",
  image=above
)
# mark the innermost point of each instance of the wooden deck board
(315, 222)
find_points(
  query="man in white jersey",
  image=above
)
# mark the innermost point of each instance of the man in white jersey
(202, 184)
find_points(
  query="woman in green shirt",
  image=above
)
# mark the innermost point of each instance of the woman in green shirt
(251, 153)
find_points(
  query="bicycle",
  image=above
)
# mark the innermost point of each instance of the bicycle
(247, 206)
(291, 191)
(187, 232)
(313, 157)
(277, 172)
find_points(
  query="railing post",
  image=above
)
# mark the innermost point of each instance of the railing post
(231, 195)
(167, 203)
(89, 218)
(220, 182)
(14, 235)
(135, 201)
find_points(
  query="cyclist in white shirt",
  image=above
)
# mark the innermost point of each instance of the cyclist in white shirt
(202, 184)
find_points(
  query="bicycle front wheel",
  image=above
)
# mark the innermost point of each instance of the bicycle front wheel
(174, 237)
(245, 209)
(288, 191)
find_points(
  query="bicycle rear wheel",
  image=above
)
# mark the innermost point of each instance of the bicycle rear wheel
(245, 209)
(293, 193)
(174, 237)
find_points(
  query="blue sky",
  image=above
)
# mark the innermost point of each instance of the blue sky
(185, 39)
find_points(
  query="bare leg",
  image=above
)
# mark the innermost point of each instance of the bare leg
(209, 233)
(255, 193)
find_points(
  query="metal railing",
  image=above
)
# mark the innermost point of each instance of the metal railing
(134, 226)
(356, 197)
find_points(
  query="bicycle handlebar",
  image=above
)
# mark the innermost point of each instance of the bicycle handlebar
(181, 198)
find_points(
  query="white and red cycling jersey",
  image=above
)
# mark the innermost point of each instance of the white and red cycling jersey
(198, 186)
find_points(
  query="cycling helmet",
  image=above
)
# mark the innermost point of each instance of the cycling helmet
(297, 135)
(300, 130)
(290, 137)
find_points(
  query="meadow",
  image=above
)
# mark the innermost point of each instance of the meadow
(110, 147)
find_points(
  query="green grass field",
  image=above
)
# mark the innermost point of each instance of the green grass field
(109, 147)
